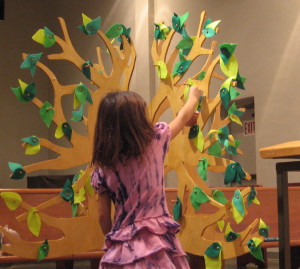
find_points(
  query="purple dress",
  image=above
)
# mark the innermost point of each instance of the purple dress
(143, 232)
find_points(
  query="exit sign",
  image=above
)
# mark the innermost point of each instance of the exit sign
(249, 127)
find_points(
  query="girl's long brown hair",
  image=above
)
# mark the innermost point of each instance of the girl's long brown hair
(122, 129)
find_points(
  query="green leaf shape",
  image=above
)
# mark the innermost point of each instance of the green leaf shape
(264, 231)
(208, 21)
(255, 250)
(214, 250)
(234, 173)
(226, 50)
(28, 94)
(181, 67)
(78, 115)
(17, 170)
(234, 110)
(197, 197)
(19, 94)
(114, 31)
(178, 21)
(67, 192)
(233, 93)
(240, 81)
(199, 141)
(251, 195)
(209, 32)
(225, 97)
(74, 210)
(157, 33)
(11, 199)
(232, 150)
(202, 168)
(30, 62)
(223, 136)
(49, 38)
(231, 68)
(86, 70)
(47, 113)
(32, 140)
(185, 43)
(201, 75)
(83, 94)
(194, 130)
(43, 250)
(231, 236)
(215, 149)
(34, 221)
(92, 27)
(67, 130)
(219, 196)
(238, 202)
(177, 209)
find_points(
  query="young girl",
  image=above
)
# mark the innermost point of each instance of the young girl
(128, 158)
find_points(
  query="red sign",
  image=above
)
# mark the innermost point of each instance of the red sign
(249, 127)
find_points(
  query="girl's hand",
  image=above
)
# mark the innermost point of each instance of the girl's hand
(195, 92)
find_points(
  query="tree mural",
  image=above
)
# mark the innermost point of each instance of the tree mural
(199, 148)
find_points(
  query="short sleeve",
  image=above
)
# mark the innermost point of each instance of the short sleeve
(98, 181)
(163, 134)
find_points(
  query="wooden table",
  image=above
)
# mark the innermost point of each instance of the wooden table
(285, 150)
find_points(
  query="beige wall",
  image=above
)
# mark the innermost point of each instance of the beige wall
(268, 48)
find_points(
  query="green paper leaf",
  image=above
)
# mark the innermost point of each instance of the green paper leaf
(93, 26)
(185, 43)
(240, 81)
(43, 250)
(264, 232)
(18, 92)
(177, 209)
(67, 192)
(215, 149)
(214, 250)
(234, 173)
(114, 31)
(208, 21)
(209, 32)
(30, 62)
(194, 130)
(223, 136)
(202, 168)
(34, 221)
(201, 75)
(178, 22)
(86, 70)
(182, 67)
(251, 195)
(226, 50)
(219, 197)
(197, 197)
(74, 210)
(49, 39)
(47, 113)
(29, 92)
(225, 97)
(81, 92)
(233, 93)
(255, 249)
(11, 199)
(17, 170)
(233, 110)
(238, 202)
(78, 115)
(32, 140)
(67, 130)
(231, 236)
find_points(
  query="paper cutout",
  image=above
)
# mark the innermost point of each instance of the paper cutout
(202, 168)
(32, 140)
(81, 95)
(30, 62)
(197, 197)
(74, 210)
(32, 144)
(194, 130)
(238, 206)
(235, 113)
(178, 21)
(43, 250)
(230, 235)
(161, 69)
(185, 43)
(45, 37)
(177, 209)
(201, 75)
(126, 32)
(234, 173)
(199, 141)
(64, 129)
(86, 70)
(34, 221)
(79, 197)
(17, 170)
(25, 92)
(263, 229)
(227, 51)
(47, 113)
(232, 147)
(90, 26)
(213, 256)
(189, 84)
(67, 192)
(215, 149)
(181, 66)
(240, 81)
(11, 199)
(255, 249)
(114, 31)
(161, 31)
(219, 196)
(252, 197)
(231, 68)
(78, 115)
(210, 28)
(221, 224)
(223, 136)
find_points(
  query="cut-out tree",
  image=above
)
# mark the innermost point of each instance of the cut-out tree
(197, 149)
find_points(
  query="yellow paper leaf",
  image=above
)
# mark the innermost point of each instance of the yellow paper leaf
(262, 224)
(79, 196)
(257, 241)
(213, 25)
(236, 214)
(213, 263)
(88, 186)
(11, 199)
(228, 229)
(236, 119)
(76, 102)
(162, 70)
(31, 150)
(221, 224)
(85, 19)
(231, 68)
(199, 141)
(34, 221)
(255, 201)
(59, 132)
(39, 36)
(23, 85)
